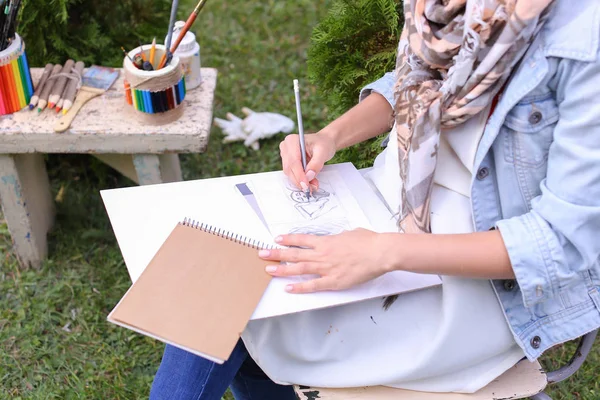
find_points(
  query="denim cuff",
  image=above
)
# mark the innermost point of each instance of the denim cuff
(526, 238)
(384, 86)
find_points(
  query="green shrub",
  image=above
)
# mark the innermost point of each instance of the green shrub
(92, 31)
(354, 45)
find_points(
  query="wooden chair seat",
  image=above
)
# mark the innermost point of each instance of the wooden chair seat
(523, 380)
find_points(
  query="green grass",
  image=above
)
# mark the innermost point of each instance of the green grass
(55, 342)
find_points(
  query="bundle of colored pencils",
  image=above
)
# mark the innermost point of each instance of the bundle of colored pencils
(58, 87)
(9, 10)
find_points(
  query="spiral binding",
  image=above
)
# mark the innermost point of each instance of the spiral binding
(234, 237)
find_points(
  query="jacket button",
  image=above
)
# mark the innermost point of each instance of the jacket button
(483, 173)
(535, 117)
(536, 341)
(509, 285)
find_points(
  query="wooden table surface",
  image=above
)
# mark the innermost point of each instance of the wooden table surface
(107, 124)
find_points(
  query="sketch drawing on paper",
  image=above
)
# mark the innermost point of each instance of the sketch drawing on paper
(317, 205)
(322, 229)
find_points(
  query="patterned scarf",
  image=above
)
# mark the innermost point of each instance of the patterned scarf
(454, 57)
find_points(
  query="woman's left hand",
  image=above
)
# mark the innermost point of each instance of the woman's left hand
(341, 261)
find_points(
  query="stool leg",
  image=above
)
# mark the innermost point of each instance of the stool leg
(157, 168)
(27, 205)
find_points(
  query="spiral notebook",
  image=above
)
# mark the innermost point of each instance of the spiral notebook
(198, 291)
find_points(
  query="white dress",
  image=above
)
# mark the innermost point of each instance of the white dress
(451, 338)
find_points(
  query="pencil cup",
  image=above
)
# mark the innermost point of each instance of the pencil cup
(16, 87)
(155, 96)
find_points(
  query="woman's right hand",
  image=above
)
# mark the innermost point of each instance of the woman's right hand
(320, 148)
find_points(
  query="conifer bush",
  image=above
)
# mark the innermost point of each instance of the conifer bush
(354, 45)
(92, 31)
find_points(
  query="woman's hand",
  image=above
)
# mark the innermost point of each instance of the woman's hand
(320, 148)
(341, 261)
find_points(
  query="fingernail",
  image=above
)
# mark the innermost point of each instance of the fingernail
(289, 288)
(271, 269)
(310, 175)
(279, 239)
(264, 253)
(304, 185)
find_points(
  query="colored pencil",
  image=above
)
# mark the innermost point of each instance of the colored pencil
(148, 101)
(128, 93)
(43, 101)
(134, 99)
(153, 53)
(174, 94)
(6, 90)
(24, 80)
(68, 97)
(4, 106)
(40, 86)
(10, 92)
(170, 99)
(17, 82)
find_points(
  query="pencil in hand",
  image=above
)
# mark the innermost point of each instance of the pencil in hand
(301, 133)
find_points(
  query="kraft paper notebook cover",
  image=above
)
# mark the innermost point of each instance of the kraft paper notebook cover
(198, 292)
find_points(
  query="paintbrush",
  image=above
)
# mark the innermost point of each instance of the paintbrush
(188, 24)
(168, 54)
(95, 82)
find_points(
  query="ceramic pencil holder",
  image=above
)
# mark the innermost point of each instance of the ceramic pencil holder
(16, 87)
(155, 96)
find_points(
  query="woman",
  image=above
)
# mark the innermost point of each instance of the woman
(493, 163)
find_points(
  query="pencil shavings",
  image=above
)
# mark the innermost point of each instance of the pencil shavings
(256, 126)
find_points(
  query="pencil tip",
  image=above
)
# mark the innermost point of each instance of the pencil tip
(51, 105)
(64, 112)
(31, 106)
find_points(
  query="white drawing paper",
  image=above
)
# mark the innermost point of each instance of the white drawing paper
(142, 217)
(329, 210)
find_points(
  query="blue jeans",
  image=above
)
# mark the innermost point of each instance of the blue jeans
(185, 376)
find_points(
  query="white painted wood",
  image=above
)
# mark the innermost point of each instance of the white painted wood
(147, 167)
(162, 170)
(157, 168)
(27, 205)
(106, 127)
(170, 168)
(107, 124)
(120, 162)
(523, 380)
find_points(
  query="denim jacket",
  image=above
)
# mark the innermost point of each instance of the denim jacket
(538, 180)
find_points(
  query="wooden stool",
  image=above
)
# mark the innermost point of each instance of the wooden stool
(105, 128)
